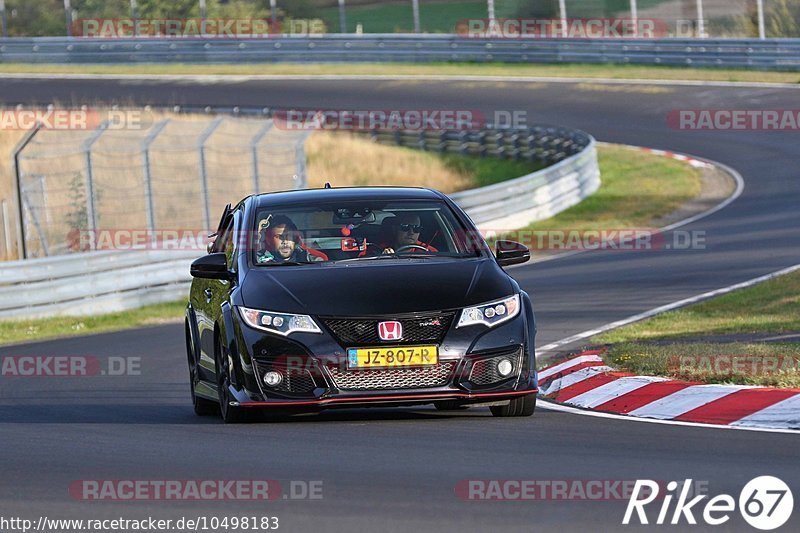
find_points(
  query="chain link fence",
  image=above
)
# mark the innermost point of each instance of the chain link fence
(174, 175)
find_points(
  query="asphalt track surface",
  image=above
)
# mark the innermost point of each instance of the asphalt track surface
(396, 470)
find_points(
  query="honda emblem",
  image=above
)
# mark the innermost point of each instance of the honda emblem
(390, 331)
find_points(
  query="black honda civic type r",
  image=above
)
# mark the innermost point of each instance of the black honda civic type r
(356, 297)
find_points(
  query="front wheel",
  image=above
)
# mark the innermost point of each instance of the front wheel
(230, 414)
(202, 406)
(524, 406)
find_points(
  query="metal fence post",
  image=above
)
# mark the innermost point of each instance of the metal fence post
(148, 180)
(254, 151)
(91, 207)
(201, 147)
(415, 10)
(21, 248)
(68, 17)
(342, 17)
(6, 230)
(701, 23)
(301, 181)
(3, 18)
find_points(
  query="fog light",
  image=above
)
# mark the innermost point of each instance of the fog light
(273, 379)
(504, 367)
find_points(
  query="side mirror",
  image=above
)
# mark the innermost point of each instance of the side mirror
(211, 266)
(511, 253)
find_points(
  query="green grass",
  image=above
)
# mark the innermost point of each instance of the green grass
(769, 307)
(437, 69)
(435, 17)
(776, 365)
(637, 189)
(15, 331)
(488, 170)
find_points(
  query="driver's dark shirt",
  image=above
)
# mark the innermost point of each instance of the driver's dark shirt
(378, 249)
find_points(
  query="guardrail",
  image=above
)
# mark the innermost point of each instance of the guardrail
(778, 54)
(92, 283)
(98, 282)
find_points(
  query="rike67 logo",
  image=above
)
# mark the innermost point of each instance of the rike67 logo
(765, 503)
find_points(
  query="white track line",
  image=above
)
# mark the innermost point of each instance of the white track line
(237, 78)
(664, 308)
(545, 404)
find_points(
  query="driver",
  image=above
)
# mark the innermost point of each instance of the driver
(403, 234)
(280, 242)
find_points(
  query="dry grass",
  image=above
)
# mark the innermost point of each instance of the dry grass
(347, 160)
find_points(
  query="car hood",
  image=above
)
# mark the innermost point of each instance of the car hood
(375, 288)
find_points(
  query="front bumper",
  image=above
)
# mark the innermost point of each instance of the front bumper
(467, 357)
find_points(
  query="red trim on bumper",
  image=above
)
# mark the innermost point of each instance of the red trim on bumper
(395, 397)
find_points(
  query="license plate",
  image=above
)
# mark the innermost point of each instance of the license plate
(392, 357)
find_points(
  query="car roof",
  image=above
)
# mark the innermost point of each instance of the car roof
(346, 194)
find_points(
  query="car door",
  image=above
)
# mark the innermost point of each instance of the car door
(208, 295)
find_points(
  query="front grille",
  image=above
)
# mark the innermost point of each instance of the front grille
(417, 328)
(484, 371)
(394, 378)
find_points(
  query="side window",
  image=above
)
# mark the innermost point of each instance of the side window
(226, 242)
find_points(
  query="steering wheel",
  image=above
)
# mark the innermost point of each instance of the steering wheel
(411, 247)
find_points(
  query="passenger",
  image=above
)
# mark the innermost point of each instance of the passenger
(281, 242)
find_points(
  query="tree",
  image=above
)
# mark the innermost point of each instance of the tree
(536, 8)
(781, 18)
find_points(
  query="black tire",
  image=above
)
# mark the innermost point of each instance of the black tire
(202, 406)
(449, 405)
(230, 414)
(524, 406)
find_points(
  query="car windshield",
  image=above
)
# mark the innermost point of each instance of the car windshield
(356, 231)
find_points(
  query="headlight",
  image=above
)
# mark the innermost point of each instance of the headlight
(490, 314)
(280, 323)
